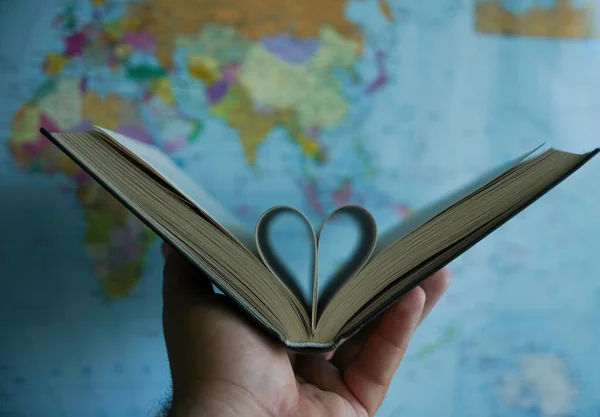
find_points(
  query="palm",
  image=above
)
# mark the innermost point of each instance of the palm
(215, 351)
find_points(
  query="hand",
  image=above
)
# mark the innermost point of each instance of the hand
(221, 365)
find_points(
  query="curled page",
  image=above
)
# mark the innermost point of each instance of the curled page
(360, 256)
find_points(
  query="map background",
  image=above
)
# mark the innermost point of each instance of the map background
(529, 289)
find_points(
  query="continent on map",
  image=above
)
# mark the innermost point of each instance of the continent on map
(115, 112)
(65, 105)
(312, 93)
(104, 111)
(54, 63)
(163, 89)
(237, 109)
(101, 43)
(115, 240)
(223, 44)
(134, 71)
(166, 20)
(564, 19)
(281, 80)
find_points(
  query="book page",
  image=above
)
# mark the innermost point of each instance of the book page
(422, 216)
(360, 218)
(180, 181)
(444, 237)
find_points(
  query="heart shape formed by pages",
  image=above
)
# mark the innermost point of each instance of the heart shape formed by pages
(367, 239)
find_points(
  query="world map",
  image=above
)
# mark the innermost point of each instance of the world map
(385, 103)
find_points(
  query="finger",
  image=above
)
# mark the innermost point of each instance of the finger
(369, 376)
(317, 371)
(347, 352)
(434, 287)
(328, 355)
(183, 283)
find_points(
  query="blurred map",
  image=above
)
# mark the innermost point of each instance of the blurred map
(384, 103)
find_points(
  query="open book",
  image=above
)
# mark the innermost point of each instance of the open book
(245, 266)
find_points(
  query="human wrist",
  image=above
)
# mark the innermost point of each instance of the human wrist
(210, 409)
(200, 409)
(226, 402)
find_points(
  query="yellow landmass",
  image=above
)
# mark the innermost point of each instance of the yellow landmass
(123, 50)
(162, 89)
(166, 20)
(203, 67)
(323, 105)
(251, 125)
(104, 216)
(308, 90)
(221, 43)
(564, 20)
(67, 107)
(55, 62)
(131, 22)
(95, 198)
(228, 104)
(273, 82)
(26, 124)
(64, 104)
(25, 136)
(120, 283)
(335, 51)
(46, 157)
(386, 10)
(103, 111)
(114, 28)
(309, 146)
(62, 163)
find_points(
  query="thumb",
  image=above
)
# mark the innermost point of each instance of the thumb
(183, 283)
(185, 291)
